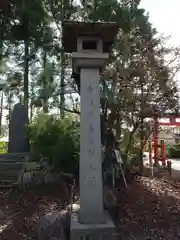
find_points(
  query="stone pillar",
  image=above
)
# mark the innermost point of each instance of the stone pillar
(90, 44)
(91, 192)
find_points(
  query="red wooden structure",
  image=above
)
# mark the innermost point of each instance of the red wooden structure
(163, 153)
(172, 122)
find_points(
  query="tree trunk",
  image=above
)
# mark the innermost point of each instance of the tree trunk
(2, 31)
(26, 81)
(10, 96)
(1, 112)
(45, 98)
(62, 98)
(141, 129)
(26, 75)
(118, 126)
(62, 85)
(130, 138)
(31, 111)
(31, 104)
(3, 24)
(141, 145)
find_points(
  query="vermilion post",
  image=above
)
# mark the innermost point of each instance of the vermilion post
(163, 154)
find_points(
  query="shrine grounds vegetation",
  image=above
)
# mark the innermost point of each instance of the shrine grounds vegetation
(174, 151)
(57, 140)
(137, 81)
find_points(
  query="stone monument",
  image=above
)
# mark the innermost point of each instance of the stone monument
(18, 142)
(89, 44)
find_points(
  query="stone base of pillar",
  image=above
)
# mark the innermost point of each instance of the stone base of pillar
(98, 231)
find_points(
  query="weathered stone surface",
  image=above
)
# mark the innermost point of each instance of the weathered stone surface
(51, 228)
(91, 191)
(45, 175)
(2, 215)
(31, 179)
(98, 231)
(44, 163)
(18, 142)
(110, 203)
(48, 172)
(56, 226)
(109, 197)
(27, 178)
(51, 178)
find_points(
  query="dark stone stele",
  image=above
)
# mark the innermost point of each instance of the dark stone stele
(18, 142)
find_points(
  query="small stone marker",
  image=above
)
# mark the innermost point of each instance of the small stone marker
(18, 142)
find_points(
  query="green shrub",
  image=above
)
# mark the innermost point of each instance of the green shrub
(174, 151)
(55, 139)
(3, 147)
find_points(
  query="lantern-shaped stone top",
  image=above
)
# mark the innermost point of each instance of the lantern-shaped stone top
(88, 37)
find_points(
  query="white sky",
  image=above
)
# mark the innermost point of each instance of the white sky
(165, 16)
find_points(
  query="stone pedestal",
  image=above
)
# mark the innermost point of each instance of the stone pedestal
(96, 231)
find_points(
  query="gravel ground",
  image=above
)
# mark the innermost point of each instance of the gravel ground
(20, 212)
(148, 209)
